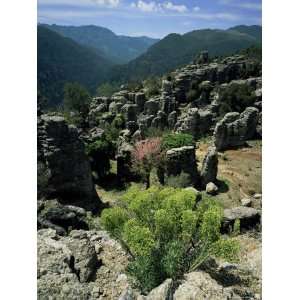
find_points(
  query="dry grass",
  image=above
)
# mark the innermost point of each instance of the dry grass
(239, 169)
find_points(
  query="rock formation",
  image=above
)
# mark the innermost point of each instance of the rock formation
(70, 176)
(180, 160)
(235, 129)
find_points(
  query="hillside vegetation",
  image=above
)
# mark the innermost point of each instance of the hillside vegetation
(62, 60)
(175, 50)
(118, 49)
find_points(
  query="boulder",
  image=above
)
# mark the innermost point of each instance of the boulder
(209, 168)
(162, 292)
(62, 218)
(234, 129)
(123, 157)
(199, 285)
(248, 216)
(64, 266)
(180, 160)
(246, 202)
(211, 188)
(70, 176)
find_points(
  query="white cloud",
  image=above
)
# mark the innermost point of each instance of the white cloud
(171, 6)
(147, 6)
(158, 7)
(109, 3)
(196, 8)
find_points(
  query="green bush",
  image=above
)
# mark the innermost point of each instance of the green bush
(176, 140)
(236, 97)
(179, 181)
(100, 152)
(167, 233)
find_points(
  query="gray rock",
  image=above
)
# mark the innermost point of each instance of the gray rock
(209, 168)
(63, 152)
(211, 188)
(248, 216)
(140, 101)
(151, 107)
(124, 160)
(60, 217)
(162, 292)
(234, 129)
(58, 276)
(129, 112)
(172, 119)
(199, 285)
(246, 202)
(180, 160)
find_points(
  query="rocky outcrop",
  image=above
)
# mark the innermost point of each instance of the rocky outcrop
(70, 176)
(209, 168)
(199, 285)
(249, 217)
(83, 265)
(195, 122)
(123, 157)
(62, 218)
(235, 129)
(182, 160)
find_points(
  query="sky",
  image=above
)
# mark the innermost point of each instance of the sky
(153, 18)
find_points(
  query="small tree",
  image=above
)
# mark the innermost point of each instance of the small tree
(106, 89)
(146, 155)
(76, 98)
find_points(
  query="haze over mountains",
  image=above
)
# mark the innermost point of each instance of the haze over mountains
(117, 48)
(92, 55)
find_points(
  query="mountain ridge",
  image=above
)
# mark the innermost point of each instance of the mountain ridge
(119, 49)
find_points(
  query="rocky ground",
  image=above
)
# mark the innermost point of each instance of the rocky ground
(79, 260)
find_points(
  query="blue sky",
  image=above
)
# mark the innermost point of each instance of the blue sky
(154, 18)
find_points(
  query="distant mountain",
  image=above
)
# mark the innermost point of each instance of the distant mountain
(61, 60)
(253, 30)
(175, 50)
(118, 49)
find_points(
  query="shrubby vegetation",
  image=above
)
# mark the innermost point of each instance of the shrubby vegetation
(236, 97)
(107, 89)
(176, 140)
(100, 153)
(76, 98)
(167, 233)
(180, 181)
(146, 156)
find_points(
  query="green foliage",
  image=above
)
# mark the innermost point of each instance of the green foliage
(167, 232)
(176, 140)
(180, 181)
(107, 89)
(236, 97)
(227, 249)
(61, 60)
(76, 98)
(236, 227)
(113, 219)
(100, 152)
(176, 50)
(152, 86)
